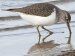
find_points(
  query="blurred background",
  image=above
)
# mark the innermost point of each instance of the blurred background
(17, 35)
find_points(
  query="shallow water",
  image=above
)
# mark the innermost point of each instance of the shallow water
(19, 38)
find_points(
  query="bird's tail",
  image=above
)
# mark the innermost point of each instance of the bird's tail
(9, 9)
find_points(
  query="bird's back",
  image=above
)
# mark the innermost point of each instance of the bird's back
(39, 9)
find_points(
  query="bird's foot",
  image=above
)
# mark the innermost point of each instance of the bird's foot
(47, 36)
(51, 33)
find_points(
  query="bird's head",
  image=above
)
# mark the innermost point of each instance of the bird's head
(67, 16)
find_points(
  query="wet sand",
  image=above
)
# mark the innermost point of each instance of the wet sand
(42, 47)
(51, 49)
(68, 53)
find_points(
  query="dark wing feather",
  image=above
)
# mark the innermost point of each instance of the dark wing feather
(39, 9)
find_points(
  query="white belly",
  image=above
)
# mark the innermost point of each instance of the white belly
(39, 20)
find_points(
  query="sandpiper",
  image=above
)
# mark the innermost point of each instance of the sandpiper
(44, 14)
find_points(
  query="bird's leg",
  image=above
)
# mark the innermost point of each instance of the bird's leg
(68, 25)
(39, 34)
(50, 33)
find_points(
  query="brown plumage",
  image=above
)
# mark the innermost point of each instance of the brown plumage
(39, 9)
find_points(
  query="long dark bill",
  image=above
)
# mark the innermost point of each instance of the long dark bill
(68, 25)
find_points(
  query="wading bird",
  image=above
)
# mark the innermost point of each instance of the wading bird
(44, 14)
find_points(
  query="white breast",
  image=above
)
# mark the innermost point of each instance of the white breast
(39, 20)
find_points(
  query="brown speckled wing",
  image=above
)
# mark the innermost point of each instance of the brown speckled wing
(39, 9)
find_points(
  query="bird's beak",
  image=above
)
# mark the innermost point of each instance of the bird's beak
(68, 25)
